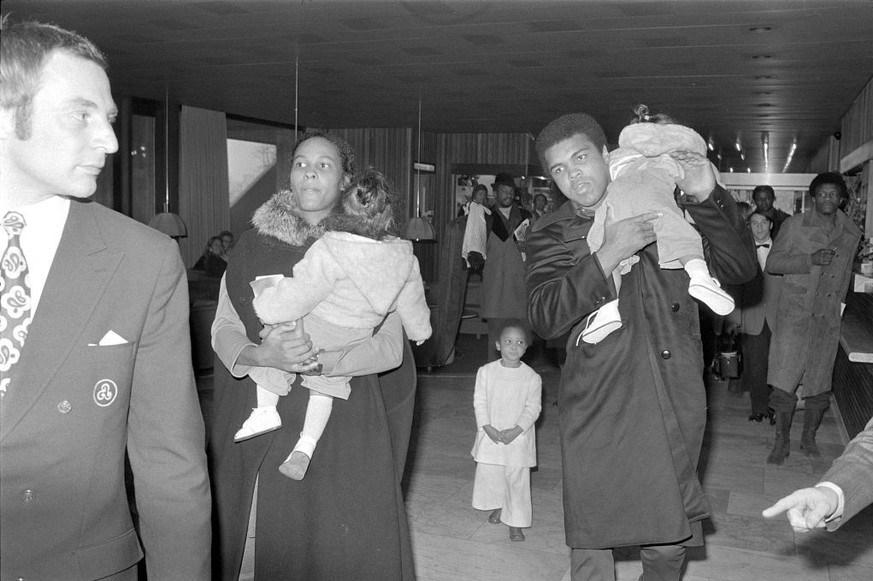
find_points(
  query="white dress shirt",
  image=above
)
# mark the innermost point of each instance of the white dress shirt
(44, 225)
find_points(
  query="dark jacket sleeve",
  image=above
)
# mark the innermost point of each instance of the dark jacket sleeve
(732, 258)
(565, 282)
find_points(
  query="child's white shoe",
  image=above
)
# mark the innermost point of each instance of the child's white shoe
(295, 466)
(602, 322)
(707, 290)
(261, 421)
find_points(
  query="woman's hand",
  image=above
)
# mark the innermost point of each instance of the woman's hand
(285, 346)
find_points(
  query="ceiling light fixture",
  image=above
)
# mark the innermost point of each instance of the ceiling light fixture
(167, 222)
(790, 155)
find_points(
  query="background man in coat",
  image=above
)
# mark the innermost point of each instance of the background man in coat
(814, 252)
(503, 294)
(755, 318)
(105, 365)
(843, 491)
(632, 407)
(764, 196)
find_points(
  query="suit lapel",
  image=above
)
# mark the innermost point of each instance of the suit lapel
(80, 272)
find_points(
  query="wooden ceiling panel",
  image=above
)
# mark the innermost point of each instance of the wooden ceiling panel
(728, 67)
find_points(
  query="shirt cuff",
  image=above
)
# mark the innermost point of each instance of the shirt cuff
(841, 500)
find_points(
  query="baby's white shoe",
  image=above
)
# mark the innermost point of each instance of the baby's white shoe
(261, 421)
(602, 322)
(707, 290)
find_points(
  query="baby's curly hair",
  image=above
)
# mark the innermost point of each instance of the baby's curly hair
(367, 208)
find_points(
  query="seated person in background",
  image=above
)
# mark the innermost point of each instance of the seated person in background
(227, 240)
(475, 232)
(644, 180)
(212, 261)
(343, 288)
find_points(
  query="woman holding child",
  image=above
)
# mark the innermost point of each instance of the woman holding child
(346, 518)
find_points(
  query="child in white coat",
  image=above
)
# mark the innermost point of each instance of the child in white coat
(507, 401)
(343, 288)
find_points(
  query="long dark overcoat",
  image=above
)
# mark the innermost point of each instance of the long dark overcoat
(632, 407)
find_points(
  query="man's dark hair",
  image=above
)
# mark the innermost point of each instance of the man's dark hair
(829, 177)
(765, 189)
(565, 127)
(767, 214)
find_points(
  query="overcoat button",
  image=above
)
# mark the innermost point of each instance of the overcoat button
(675, 307)
(65, 407)
(666, 354)
(26, 495)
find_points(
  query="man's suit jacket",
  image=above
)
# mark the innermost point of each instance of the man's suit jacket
(75, 404)
(853, 472)
(759, 301)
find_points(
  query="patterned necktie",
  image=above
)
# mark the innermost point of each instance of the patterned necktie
(15, 307)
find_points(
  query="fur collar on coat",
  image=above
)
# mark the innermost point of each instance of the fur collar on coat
(278, 217)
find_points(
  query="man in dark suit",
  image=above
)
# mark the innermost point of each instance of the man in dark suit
(94, 343)
(764, 196)
(843, 491)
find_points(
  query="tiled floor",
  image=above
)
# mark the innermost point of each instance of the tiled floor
(454, 542)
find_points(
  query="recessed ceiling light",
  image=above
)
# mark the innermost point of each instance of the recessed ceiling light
(765, 105)
(762, 93)
(760, 29)
(761, 57)
(763, 78)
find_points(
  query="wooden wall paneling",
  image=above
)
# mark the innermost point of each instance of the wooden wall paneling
(857, 124)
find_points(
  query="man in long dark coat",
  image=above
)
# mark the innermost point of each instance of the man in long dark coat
(632, 407)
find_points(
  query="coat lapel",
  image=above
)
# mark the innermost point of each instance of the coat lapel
(81, 269)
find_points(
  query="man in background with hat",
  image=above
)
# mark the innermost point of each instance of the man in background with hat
(503, 292)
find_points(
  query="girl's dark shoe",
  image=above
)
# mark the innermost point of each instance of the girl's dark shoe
(515, 534)
(494, 517)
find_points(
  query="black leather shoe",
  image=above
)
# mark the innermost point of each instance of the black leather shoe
(772, 415)
(756, 418)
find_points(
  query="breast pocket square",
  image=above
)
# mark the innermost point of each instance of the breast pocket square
(109, 339)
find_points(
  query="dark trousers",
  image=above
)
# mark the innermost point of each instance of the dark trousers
(660, 563)
(756, 352)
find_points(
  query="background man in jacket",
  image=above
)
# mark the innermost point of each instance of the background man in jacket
(814, 253)
(632, 407)
(94, 345)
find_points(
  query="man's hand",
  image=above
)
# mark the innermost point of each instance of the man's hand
(510, 434)
(493, 433)
(284, 346)
(699, 180)
(807, 508)
(624, 238)
(823, 257)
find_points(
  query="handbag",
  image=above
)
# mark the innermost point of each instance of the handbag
(728, 362)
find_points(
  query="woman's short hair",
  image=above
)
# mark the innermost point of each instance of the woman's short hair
(23, 52)
(568, 126)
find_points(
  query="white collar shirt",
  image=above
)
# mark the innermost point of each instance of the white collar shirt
(40, 238)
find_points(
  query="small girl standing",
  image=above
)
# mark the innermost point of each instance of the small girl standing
(343, 288)
(507, 401)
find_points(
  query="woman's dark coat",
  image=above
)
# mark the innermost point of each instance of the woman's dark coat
(632, 407)
(346, 519)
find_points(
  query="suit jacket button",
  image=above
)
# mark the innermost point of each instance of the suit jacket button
(65, 407)
(666, 354)
(26, 495)
(675, 307)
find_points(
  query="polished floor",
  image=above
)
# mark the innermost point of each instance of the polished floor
(454, 542)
